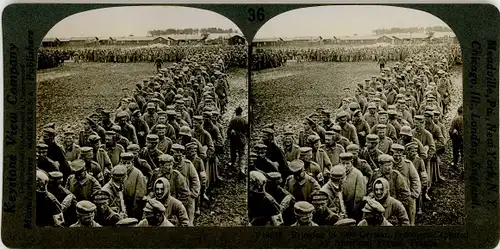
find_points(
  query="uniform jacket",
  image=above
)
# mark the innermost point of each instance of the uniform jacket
(371, 119)
(275, 154)
(150, 118)
(313, 169)
(108, 218)
(165, 145)
(134, 190)
(406, 168)
(56, 153)
(292, 153)
(200, 169)
(322, 159)
(151, 157)
(114, 154)
(205, 140)
(363, 166)
(354, 189)
(165, 223)
(385, 144)
(128, 131)
(144, 167)
(421, 169)
(349, 131)
(301, 190)
(72, 153)
(189, 172)
(175, 211)
(425, 137)
(94, 169)
(83, 190)
(116, 200)
(240, 127)
(335, 200)
(398, 186)
(371, 157)
(334, 153)
(178, 185)
(102, 158)
(395, 212)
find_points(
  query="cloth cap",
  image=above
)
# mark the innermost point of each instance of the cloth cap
(372, 105)
(371, 137)
(171, 113)
(136, 113)
(127, 222)
(319, 197)
(86, 150)
(198, 118)
(342, 114)
(127, 156)
(116, 128)
(419, 117)
(50, 130)
(133, 147)
(77, 165)
(401, 101)
(178, 147)
(260, 146)
(69, 133)
(373, 206)
(150, 105)
(384, 158)
(356, 112)
(382, 112)
(161, 126)
(336, 128)
(338, 172)
(274, 176)
(313, 138)
(304, 150)
(329, 133)
(381, 126)
(296, 165)
(397, 147)
(191, 145)
(345, 156)
(268, 131)
(111, 133)
(428, 114)
(154, 206)
(411, 145)
(185, 131)
(42, 146)
(152, 138)
(303, 208)
(392, 112)
(406, 130)
(162, 113)
(122, 114)
(101, 196)
(346, 222)
(352, 147)
(55, 175)
(85, 207)
(165, 158)
(119, 170)
(289, 133)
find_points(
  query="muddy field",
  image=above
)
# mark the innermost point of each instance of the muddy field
(66, 95)
(286, 95)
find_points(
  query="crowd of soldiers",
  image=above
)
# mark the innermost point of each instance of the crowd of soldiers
(232, 55)
(147, 162)
(276, 57)
(51, 59)
(371, 161)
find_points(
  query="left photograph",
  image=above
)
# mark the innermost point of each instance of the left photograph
(141, 120)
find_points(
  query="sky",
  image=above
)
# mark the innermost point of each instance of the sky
(344, 21)
(136, 20)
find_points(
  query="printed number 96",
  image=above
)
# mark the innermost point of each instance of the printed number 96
(256, 15)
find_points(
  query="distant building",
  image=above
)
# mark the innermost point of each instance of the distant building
(411, 37)
(188, 39)
(83, 41)
(225, 39)
(141, 40)
(106, 40)
(267, 42)
(444, 37)
(50, 42)
(303, 41)
(358, 40)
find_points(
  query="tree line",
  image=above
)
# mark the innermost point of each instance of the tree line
(431, 29)
(189, 31)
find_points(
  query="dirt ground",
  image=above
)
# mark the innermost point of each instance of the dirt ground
(65, 95)
(286, 95)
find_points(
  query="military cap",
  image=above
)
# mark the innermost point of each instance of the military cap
(86, 150)
(116, 128)
(401, 101)
(336, 128)
(345, 156)
(69, 133)
(152, 138)
(198, 117)
(289, 133)
(260, 146)
(384, 158)
(127, 222)
(155, 100)
(381, 126)
(215, 112)
(274, 176)
(162, 113)
(319, 197)
(171, 113)
(178, 147)
(397, 147)
(119, 170)
(303, 208)
(50, 130)
(329, 133)
(127, 156)
(346, 222)
(154, 206)
(42, 146)
(373, 206)
(55, 175)
(354, 105)
(94, 138)
(338, 172)
(411, 145)
(179, 101)
(150, 106)
(371, 137)
(304, 150)
(310, 121)
(428, 113)
(101, 196)
(406, 130)
(207, 113)
(268, 130)
(296, 165)
(440, 71)
(111, 133)
(122, 114)
(133, 147)
(376, 99)
(419, 117)
(136, 113)
(356, 112)
(325, 111)
(191, 145)
(382, 112)
(392, 112)
(391, 107)
(352, 147)
(185, 131)
(437, 112)
(252, 155)
(342, 114)
(313, 138)
(165, 158)
(85, 207)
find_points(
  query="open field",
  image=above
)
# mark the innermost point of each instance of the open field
(66, 95)
(286, 95)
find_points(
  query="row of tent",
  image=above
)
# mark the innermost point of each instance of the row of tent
(394, 39)
(222, 38)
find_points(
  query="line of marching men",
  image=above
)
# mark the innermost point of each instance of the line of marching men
(149, 161)
(370, 162)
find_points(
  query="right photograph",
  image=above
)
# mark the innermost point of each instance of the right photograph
(356, 119)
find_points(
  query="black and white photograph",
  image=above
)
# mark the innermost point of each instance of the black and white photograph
(141, 120)
(356, 119)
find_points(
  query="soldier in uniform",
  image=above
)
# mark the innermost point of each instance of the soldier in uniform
(115, 189)
(104, 215)
(353, 187)
(323, 216)
(63, 195)
(371, 152)
(319, 155)
(262, 207)
(371, 117)
(332, 148)
(55, 151)
(290, 148)
(311, 167)
(360, 164)
(86, 212)
(300, 184)
(304, 213)
(362, 127)
(333, 189)
(274, 152)
(419, 164)
(456, 136)
(91, 166)
(236, 133)
(339, 139)
(406, 168)
(151, 153)
(395, 212)
(385, 142)
(134, 186)
(189, 172)
(140, 163)
(100, 156)
(150, 116)
(42, 161)
(140, 125)
(348, 130)
(154, 215)
(48, 209)
(374, 215)
(164, 142)
(71, 149)
(174, 209)
(80, 183)
(113, 149)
